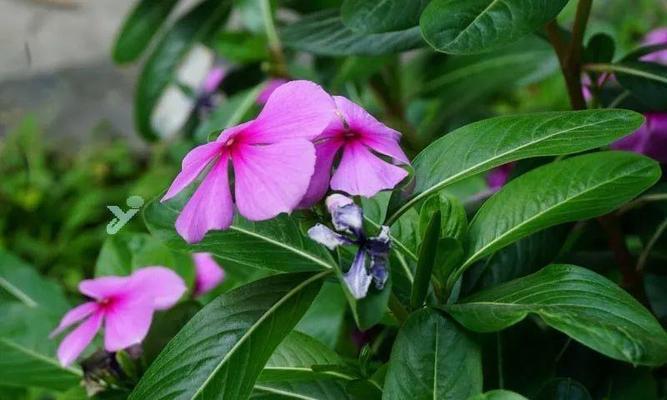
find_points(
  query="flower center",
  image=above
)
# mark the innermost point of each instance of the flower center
(351, 135)
(229, 142)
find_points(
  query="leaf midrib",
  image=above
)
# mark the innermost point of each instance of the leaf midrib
(255, 326)
(20, 295)
(465, 30)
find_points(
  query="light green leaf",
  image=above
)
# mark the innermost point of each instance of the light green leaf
(487, 144)
(475, 26)
(372, 16)
(578, 302)
(578, 188)
(225, 346)
(160, 69)
(323, 33)
(433, 358)
(139, 28)
(277, 244)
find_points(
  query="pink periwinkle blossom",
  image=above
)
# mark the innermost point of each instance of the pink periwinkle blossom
(269, 87)
(208, 274)
(656, 37)
(125, 304)
(359, 137)
(498, 177)
(272, 157)
(650, 139)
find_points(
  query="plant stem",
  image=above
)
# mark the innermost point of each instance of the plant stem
(275, 46)
(649, 246)
(398, 309)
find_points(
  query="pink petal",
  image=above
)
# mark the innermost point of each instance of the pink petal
(325, 153)
(209, 274)
(374, 134)
(163, 285)
(75, 315)
(272, 179)
(105, 287)
(362, 173)
(297, 109)
(193, 164)
(268, 90)
(210, 207)
(127, 322)
(78, 339)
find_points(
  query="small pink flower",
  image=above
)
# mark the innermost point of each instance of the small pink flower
(498, 177)
(650, 139)
(656, 37)
(270, 86)
(360, 138)
(125, 304)
(272, 156)
(208, 273)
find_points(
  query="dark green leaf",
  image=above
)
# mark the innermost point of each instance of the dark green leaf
(498, 395)
(303, 390)
(600, 49)
(646, 81)
(226, 345)
(277, 244)
(372, 16)
(487, 144)
(324, 33)
(475, 26)
(140, 27)
(427, 258)
(324, 319)
(433, 358)
(578, 302)
(160, 68)
(581, 187)
(564, 389)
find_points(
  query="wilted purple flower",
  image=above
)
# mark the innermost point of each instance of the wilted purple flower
(370, 264)
(650, 139)
(656, 37)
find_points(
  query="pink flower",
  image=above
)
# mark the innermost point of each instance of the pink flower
(360, 138)
(208, 273)
(124, 303)
(270, 86)
(656, 37)
(650, 139)
(272, 158)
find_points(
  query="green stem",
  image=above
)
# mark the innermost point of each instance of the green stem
(275, 46)
(649, 246)
(398, 309)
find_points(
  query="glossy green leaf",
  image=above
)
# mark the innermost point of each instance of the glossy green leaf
(324, 319)
(576, 301)
(426, 262)
(31, 307)
(161, 66)
(646, 81)
(454, 221)
(498, 395)
(475, 26)
(578, 188)
(487, 144)
(295, 358)
(140, 27)
(433, 358)
(225, 346)
(277, 244)
(324, 33)
(322, 389)
(372, 16)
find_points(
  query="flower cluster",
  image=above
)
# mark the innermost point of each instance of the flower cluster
(347, 219)
(284, 158)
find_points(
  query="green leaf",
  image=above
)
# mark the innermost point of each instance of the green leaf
(427, 258)
(302, 390)
(225, 346)
(295, 358)
(498, 395)
(578, 188)
(563, 389)
(454, 221)
(646, 81)
(140, 27)
(433, 358)
(323, 33)
(487, 144)
(578, 302)
(277, 244)
(160, 68)
(475, 26)
(324, 320)
(372, 16)
(31, 307)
